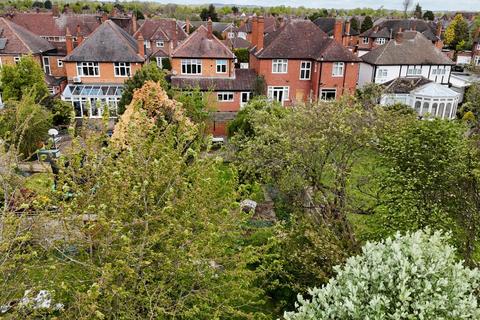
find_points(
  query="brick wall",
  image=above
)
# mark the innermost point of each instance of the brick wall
(208, 68)
(107, 73)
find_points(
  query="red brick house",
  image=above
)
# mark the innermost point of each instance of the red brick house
(205, 62)
(299, 62)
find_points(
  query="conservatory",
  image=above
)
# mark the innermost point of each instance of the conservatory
(92, 100)
(428, 98)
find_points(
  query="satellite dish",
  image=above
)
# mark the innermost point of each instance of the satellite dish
(52, 132)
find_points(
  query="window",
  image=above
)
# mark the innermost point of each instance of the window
(245, 97)
(159, 62)
(278, 93)
(447, 110)
(231, 35)
(380, 41)
(46, 65)
(441, 108)
(16, 59)
(305, 70)
(418, 106)
(477, 60)
(147, 44)
(328, 94)
(159, 43)
(60, 63)
(191, 66)
(88, 69)
(221, 66)
(365, 40)
(279, 65)
(478, 46)
(382, 73)
(225, 96)
(438, 71)
(122, 69)
(413, 71)
(433, 112)
(337, 70)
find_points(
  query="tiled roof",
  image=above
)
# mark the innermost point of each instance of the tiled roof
(108, 43)
(270, 25)
(389, 28)
(404, 85)
(237, 43)
(328, 24)
(302, 39)
(161, 29)
(198, 45)
(244, 81)
(216, 26)
(21, 41)
(414, 49)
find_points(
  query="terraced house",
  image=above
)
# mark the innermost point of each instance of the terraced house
(97, 68)
(300, 63)
(203, 61)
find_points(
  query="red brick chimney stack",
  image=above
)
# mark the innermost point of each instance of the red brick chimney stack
(79, 35)
(134, 23)
(260, 32)
(187, 25)
(254, 31)
(69, 41)
(141, 46)
(337, 31)
(209, 28)
(55, 11)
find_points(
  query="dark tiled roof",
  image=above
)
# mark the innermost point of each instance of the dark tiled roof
(328, 24)
(198, 45)
(302, 39)
(389, 28)
(237, 43)
(244, 81)
(21, 41)
(161, 29)
(270, 25)
(108, 43)
(404, 85)
(216, 26)
(415, 48)
(156, 52)
(222, 116)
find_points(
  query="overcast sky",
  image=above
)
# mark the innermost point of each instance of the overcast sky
(451, 5)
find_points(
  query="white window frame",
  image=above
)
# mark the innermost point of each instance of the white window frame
(220, 64)
(146, 43)
(159, 61)
(46, 65)
(382, 73)
(94, 65)
(122, 69)
(478, 46)
(225, 96)
(285, 92)
(305, 70)
(159, 43)
(365, 40)
(279, 66)
(476, 60)
(327, 90)
(416, 71)
(248, 95)
(16, 59)
(197, 63)
(438, 71)
(380, 41)
(338, 69)
(60, 63)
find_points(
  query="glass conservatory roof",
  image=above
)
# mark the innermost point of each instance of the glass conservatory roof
(73, 90)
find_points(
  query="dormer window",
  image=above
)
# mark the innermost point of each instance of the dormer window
(159, 44)
(221, 66)
(191, 66)
(365, 40)
(380, 41)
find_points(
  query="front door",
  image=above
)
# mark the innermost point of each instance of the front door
(246, 96)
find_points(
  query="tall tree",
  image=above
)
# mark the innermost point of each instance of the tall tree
(354, 24)
(209, 13)
(394, 279)
(418, 11)
(47, 4)
(366, 24)
(405, 5)
(429, 15)
(457, 32)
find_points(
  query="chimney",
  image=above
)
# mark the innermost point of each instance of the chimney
(337, 31)
(209, 28)
(55, 11)
(347, 28)
(187, 25)
(399, 37)
(104, 17)
(141, 46)
(260, 32)
(414, 26)
(254, 31)
(69, 41)
(79, 35)
(134, 23)
(175, 34)
(439, 30)
(242, 23)
(376, 28)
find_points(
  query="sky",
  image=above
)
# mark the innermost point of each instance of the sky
(435, 5)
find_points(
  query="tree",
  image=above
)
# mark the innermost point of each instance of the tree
(416, 275)
(366, 24)
(318, 14)
(37, 4)
(138, 14)
(418, 11)
(149, 71)
(235, 10)
(354, 24)
(405, 5)
(242, 54)
(457, 32)
(471, 105)
(429, 15)
(209, 13)
(47, 4)
(25, 76)
(24, 125)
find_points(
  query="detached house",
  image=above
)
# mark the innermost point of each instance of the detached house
(203, 61)
(387, 30)
(97, 68)
(410, 54)
(299, 62)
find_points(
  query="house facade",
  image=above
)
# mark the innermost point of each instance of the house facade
(410, 54)
(300, 63)
(97, 68)
(205, 62)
